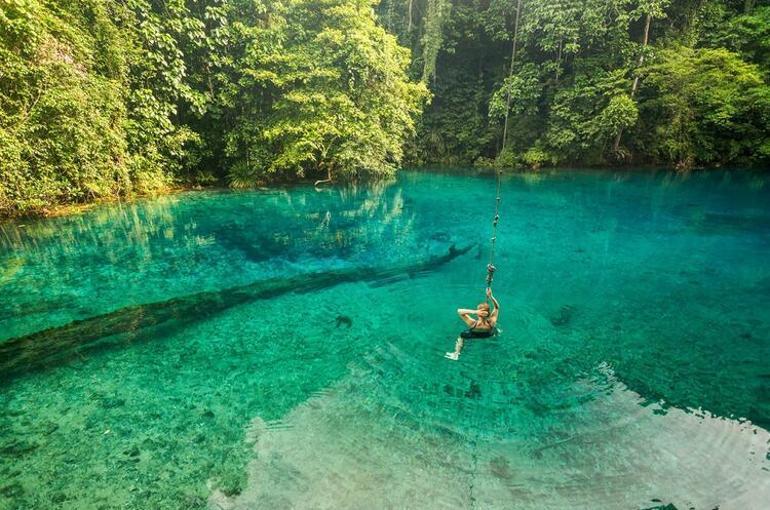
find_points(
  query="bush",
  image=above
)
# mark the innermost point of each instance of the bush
(536, 157)
(484, 162)
(506, 160)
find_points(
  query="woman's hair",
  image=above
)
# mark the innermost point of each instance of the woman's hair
(483, 307)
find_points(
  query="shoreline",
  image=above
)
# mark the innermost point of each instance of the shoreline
(73, 209)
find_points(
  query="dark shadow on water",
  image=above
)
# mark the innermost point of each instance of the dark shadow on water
(53, 346)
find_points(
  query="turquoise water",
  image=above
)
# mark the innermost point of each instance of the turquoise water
(631, 371)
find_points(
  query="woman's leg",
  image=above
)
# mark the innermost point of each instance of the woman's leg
(458, 349)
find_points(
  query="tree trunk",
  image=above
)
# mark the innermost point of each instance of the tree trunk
(635, 86)
(409, 26)
(510, 73)
(328, 176)
(641, 57)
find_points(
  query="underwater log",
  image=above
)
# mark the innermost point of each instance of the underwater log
(54, 345)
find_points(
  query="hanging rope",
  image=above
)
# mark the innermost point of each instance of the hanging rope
(491, 266)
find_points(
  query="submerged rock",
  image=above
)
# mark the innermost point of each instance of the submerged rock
(344, 319)
(500, 468)
(113, 402)
(49, 428)
(474, 391)
(564, 316)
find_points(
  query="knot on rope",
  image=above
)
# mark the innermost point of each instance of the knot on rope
(490, 273)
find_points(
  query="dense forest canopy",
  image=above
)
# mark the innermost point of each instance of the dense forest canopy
(535, 82)
(104, 98)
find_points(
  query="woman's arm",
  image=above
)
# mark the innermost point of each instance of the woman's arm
(463, 313)
(495, 312)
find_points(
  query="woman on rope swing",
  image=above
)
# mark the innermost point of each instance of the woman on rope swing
(483, 326)
(485, 323)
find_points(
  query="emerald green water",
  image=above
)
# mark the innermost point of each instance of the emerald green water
(632, 370)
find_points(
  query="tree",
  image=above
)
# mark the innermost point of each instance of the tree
(705, 106)
(321, 91)
(650, 9)
(515, 40)
(103, 98)
(89, 98)
(62, 131)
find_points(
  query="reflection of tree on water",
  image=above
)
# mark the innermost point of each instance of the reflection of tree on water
(10, 267)
(192, 242)
(340, 223)
(374, 214)
(134, 233)
(117, 234)
(46, 256)
(136, 222)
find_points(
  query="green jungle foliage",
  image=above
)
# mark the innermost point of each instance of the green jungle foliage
(103, 98)
(88, 95)
(312, 87)
(600, 82)
(106, 98)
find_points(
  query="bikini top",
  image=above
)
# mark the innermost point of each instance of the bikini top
(486, 323)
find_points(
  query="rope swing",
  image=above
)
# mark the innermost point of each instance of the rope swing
(491, 265)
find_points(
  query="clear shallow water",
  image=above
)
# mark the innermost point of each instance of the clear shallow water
(632, 370)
